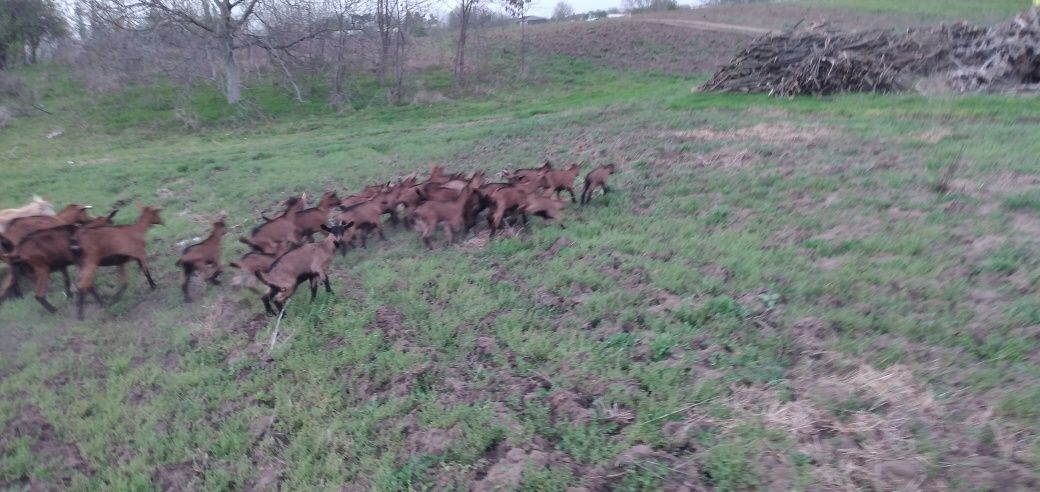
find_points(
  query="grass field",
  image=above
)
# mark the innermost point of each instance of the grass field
(778, 294)
(988, 10)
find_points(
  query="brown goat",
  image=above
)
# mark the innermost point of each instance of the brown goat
(44, 251)
(451, 214)
(277, 233)
(368, 215)
(249, 264)
(114, 246)
(596, 178)
(309, 221)
(482, 202)
(203, 254)
(563, 179)
(308, 262)
(22, 227)
(508, 199)
(72, 214)
(547, 207)
(528, 173)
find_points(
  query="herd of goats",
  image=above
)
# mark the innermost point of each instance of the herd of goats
(36, 242)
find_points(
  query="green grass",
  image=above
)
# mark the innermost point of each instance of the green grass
(754, 308)
(990, 9)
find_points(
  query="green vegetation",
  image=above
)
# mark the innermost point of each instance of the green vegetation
(773, 293)
(989, 10)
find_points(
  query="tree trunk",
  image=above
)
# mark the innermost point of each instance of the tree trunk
(234, 85)
(34, 47)
(460, 53)
(523, 44)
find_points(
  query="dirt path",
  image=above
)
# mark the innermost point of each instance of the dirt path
(706, 26)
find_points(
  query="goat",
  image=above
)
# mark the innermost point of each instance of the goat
(563, 179)
(278, 232)
(249, 264)
(309, 221)
(368, 215)
(44, 252)
(527, 174)
(596, 178)
(23, 226)
(508, 199)
(38, 206)
(72, 214)
(451, 214)
(205, 253)
(307, 262)
(481, 202)
(114, 246)
(547, 207)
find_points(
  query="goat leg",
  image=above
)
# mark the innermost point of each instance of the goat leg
(7, 285)
(147, 274)
(449, 233)
(41, 288)
(266, 298)
(313, 281)
(328, 286)
(16, 289)
(189, 269)
(571, 191)
(118, 296)
(68, 282)
(213, 278)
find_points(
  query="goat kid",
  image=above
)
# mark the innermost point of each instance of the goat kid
(563, 180)
(114, 246)
(277, 233)
(451, 213)
(309, 221)
(508, 199)
(44, 252)
(545, 206)
(597, 178)
(204, 254)
(308, 262)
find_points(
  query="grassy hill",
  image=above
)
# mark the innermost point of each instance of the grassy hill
(790, 294)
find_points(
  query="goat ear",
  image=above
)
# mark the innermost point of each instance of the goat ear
(348, 225)
(326, 228)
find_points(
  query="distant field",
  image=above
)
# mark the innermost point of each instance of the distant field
(809, 294)
(987, 10)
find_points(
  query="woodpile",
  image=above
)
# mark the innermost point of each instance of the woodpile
(819, 61)
(1005, 57)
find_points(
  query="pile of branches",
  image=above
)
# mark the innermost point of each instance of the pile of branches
(1005, 57)
(819, 61)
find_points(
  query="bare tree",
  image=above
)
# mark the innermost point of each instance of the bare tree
(465, 13)
(518, 9)
(562, 11)
(231, 25)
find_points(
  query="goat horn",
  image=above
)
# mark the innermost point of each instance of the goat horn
(88, 207)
